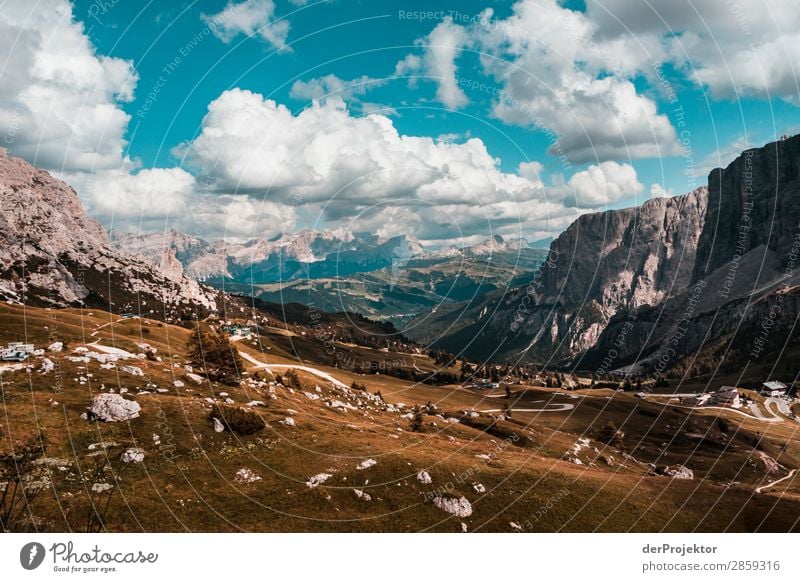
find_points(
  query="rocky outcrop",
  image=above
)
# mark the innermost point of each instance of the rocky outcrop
(52, 254)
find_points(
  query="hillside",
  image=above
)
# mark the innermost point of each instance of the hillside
(329, 457)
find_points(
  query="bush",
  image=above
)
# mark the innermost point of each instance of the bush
(238, 420)
(213, 353)
(23, 479)
(292, 380)
(610, 435)
(416, 420)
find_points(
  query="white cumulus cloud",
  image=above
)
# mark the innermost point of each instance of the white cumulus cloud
(59, 101)
(250, 18)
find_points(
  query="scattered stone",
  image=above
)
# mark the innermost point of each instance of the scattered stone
(479, 488)
(112, 408)
(47, 366)
(460, 507)
(218, 426)
(132, 456)
(246, 476)
(55, 347)
(366, 464)
(133, 370)
(317, 480)
(288, 421)
(424, 477)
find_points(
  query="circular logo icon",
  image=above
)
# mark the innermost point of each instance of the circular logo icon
(31, 555)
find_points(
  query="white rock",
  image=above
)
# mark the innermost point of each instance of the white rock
(56, 347)
(218, 426)
(47, 366)
(113, 408)
(132, 456)
(679, 472)
(246, 476)
(178, 384)
(460, 507)
(133, 370)
(317, 480)
(424, 477)
(479, 487)
(361, 495)
(366, 464)
(288, 421)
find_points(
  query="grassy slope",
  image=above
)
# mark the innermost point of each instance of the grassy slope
(187, 483)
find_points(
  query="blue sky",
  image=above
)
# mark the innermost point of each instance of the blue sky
(606, 106)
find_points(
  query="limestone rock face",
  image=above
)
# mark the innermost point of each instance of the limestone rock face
(752, 202)
(52, 253)
(113, 408)
(646, 286)
(602, 264)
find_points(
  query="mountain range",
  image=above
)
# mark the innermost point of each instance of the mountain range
(393, 279)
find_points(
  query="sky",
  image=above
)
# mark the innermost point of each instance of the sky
(450, 121)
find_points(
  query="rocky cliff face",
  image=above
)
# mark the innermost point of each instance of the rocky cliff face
(745, 279)
(602, 264)
(752, 202)
(51, 253)
(650, 285)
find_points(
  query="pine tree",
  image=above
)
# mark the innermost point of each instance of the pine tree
(416, 419)
(213, 353)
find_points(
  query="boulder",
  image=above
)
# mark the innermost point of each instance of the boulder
(677, 472)
(112, 408)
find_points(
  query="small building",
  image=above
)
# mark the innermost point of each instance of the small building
(774, 389)
(727, 396)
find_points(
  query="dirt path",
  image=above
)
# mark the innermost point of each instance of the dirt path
(314, 371)
(770, 484)
(548, 408)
